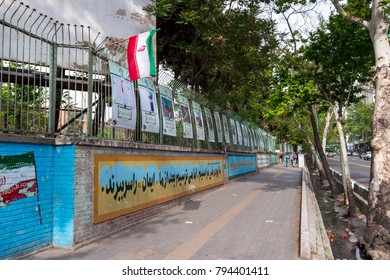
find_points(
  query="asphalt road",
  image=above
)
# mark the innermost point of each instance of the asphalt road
(359, 168)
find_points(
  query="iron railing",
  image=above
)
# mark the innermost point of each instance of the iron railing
(55, 80)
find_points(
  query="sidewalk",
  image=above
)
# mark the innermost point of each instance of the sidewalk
(256, 217)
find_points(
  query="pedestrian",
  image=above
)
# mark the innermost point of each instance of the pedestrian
(281, 155)
(286, 158)
(292, 159)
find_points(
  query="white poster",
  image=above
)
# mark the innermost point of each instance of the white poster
(186, 117)
(245, 135)
(198, 121)
(149, 109)
(124, 112)
(225, 129)
(218, 126)
(210, 124)
(234, 131)
(239, 134)
(168, 112)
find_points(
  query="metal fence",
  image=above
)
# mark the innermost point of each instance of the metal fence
(55, 80)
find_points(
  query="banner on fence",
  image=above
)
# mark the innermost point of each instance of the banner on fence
(124, 112)
(210, 124)
(198, 121)
(239, 133)
(168, 112)
(234, 131)
(226, 129)
(149, 109)
(218, 126)
(186, 117)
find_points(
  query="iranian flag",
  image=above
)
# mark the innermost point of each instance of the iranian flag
(17, 178)
(140, 56)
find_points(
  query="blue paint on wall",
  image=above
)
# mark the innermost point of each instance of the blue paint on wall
(241, 164)
(63, 204)
(35, 222)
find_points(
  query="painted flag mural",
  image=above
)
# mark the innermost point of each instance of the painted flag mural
(140, 56)
(17, 178)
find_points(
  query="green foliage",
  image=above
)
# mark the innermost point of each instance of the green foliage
(21, 108)
(359, 122)
(343, 57)
(221, 49)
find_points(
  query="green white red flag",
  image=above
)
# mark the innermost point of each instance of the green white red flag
(140, 56)
(17, 178)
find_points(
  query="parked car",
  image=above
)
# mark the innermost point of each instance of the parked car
(330, 154)
(367, 155)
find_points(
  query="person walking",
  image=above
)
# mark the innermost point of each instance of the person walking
(292, 159)
(286, 158)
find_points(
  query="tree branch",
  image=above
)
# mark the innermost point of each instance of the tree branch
(351, 18)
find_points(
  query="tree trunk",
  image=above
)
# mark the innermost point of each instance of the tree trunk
(321, 153)
(349, 198)
(313, 150)
(377, 233)
(329, 115)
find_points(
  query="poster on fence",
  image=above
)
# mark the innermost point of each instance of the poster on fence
(245, 135)
(198, 121)
(168, 112)
(210, 124)
(234, 131)
(239, 133)
(218, 126)
(124, 112)
(149, 109)
(225, 129)
(186, 117)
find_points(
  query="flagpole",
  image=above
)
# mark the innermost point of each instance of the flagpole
(114, 43)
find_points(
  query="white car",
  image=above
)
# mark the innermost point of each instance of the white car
(367, 155)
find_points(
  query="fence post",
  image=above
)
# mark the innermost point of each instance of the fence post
(52, 88)
(90, 89)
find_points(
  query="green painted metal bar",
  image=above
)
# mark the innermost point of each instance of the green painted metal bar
(52, 88)
(90, 85)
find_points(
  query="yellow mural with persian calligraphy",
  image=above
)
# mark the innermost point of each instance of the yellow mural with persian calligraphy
(127, 183)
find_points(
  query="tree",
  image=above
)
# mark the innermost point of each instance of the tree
(342, 57)
(220, 49)
(377, 235)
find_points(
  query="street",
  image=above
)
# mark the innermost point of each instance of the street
(359, 168)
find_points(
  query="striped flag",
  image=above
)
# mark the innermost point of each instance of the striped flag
(140, 56)
(17, 178)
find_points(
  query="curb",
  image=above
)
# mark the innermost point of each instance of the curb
(314, 242)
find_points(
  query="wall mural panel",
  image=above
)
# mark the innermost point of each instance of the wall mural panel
(127, 183)
(241, 164)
